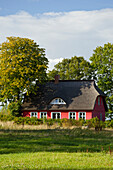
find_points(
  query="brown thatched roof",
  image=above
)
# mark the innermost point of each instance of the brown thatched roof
(78, 95)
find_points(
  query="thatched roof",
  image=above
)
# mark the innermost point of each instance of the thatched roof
(78, 95)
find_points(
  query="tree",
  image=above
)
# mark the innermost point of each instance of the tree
(76, 68)
(22, 62)
(102, 69)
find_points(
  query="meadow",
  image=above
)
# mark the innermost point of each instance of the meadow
(60, 148)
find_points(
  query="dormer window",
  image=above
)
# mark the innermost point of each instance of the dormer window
(57, 101)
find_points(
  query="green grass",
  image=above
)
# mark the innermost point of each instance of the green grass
(55, 149)
(56, 160)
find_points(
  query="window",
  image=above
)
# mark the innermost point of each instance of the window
(82, 115)
(72, 115)
(43, 115)
(100, 116)
(33, 114)
(98, 100)
(101, 101)
(55, 115)
(57, 101)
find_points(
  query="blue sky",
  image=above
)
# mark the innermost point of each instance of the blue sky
(33, 7)
(65, 28)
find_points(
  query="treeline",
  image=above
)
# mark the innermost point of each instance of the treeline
(99, 68)
(23, 63)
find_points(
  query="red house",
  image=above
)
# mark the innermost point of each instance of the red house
(71, 99)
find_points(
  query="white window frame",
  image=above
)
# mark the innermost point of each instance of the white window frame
(53, 101)
(34, 116)
(55, 112)
(43, 113)
(72, 115)
(82, 116)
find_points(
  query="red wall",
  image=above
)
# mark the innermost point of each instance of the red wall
(98, 109)
(64, 114)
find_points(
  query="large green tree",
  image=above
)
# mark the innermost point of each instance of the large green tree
(22, 63)
(102, 71)
(75, 68)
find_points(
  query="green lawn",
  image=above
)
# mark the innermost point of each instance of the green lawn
(56, 160)
(56, 149)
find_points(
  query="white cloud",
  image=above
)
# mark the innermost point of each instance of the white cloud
(52, 62)
(63, 35)
(53, 14)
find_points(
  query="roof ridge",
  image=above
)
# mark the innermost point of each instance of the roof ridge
(70, 80)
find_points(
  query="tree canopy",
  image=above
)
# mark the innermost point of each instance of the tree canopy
(22, 62)
(75, 68)
(102, 71)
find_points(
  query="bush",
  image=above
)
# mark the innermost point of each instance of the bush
(6, 117)
(94, 122)
(19, 120)
(14, 108)
(66, 122)
(107, 123)
(111, 123)
(89, 123)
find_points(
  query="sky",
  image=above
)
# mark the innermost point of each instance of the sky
(65, 28)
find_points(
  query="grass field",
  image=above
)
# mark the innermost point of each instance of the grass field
(56, 149)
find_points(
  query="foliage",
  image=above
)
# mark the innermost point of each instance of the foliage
(28, 120)
(91, 123)
(6, 117)
(76, 68)
(15, 108)
(96, 123)
(102, 71)
(66, 122)
(110, 124)
(4, 109)
(22, 62)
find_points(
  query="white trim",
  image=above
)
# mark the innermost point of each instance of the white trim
(79, 114)
(55, 112)
(72, 116)
(34, 116)
(43, 112)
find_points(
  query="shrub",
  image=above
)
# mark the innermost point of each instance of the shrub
(66, 122)
(50, 121)
(6, 117)
(111, 123)
(14, 108)
(27, 120)
(19, 120)
(89, 123)
(107, 123)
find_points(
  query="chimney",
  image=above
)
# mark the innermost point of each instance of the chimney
(57, 77)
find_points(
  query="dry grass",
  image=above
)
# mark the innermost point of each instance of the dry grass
(10, 125)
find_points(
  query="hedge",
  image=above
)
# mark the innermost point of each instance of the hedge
(94, 122)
